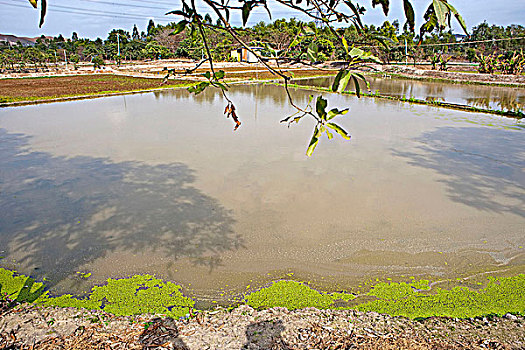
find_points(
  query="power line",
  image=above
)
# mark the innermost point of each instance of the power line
(154, 2)
(475, 42)
(72, 10)
(167, 8)
(457, 43)
(97, 11)
(126, 5)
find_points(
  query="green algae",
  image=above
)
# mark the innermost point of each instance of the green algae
(499, 297)
(68, 300)
(127, 296)
(394, 291)
(415, 299)
(142, 294)
(20, 288)
(293, 295)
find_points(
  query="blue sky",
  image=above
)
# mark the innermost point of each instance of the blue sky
(95, 18)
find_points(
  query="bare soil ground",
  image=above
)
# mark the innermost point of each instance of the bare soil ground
(462, 77)
(30, 327)
(54, 87)
(63, 83)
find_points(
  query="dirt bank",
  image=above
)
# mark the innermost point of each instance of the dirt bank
(455, 77)
(12, 90)
(31, 327)
(52, 88)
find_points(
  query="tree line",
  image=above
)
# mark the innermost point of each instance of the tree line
(389, 42)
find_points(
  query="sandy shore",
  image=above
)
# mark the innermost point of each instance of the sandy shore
(31, 327)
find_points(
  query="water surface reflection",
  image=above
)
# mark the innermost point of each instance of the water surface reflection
(485, 170)
(159, 183)
(65, 212)
(488, 97)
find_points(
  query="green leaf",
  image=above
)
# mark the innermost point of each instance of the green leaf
(339, 130)
(295, 42)
(335, 112)
(312, 52)
(329, 134)
(345, 43)
(313, 142)
(337, 80)
(357, 12)
(33, 3)
(460, 19)
(384, 3)
(220, 86)
(177, 12)
(357, 87)
(43, 8)
(409, 14)
(246, 9)
(308, 31)
(343, 83)
(219, 74)
(440, 9)
(356, 52)
(197, 89)
(320, 107)
(179, 27)
(310, 99)
(359, 75)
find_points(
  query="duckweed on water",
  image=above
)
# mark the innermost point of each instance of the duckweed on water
(147, 294)
(501, 296)
(19, 287)
(395, 291)
(293, 295)
(127, 296)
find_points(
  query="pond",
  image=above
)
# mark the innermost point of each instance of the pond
(480, 96)
(160, 183)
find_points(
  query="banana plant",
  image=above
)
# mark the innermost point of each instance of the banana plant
(487, 64)
(434, 60)
(443, 62)
(514, 64)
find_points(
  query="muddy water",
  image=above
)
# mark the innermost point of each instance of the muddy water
(480, 96)
(160, 183)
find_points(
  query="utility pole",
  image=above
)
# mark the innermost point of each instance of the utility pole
(406, 53)
(118, 43)
(65, 56)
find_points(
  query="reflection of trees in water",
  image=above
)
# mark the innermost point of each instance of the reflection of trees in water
(61, 213)
(270, 94)
(504, 98)
(508, 101)
(481, 166)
